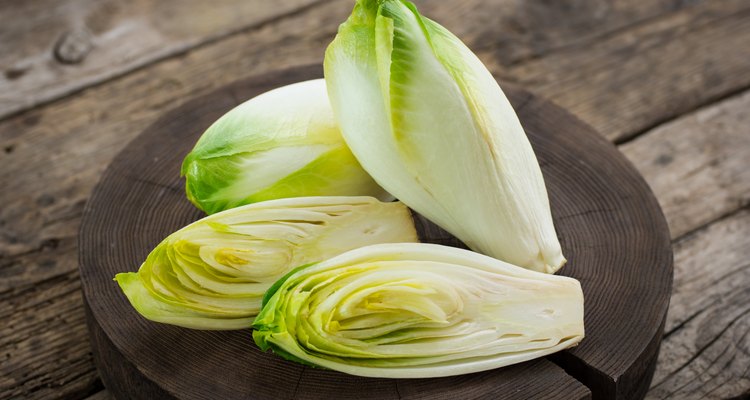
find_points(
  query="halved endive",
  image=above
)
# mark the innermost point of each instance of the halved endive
(416, 310)
(283, 143)
(430, 124)
(213, 273)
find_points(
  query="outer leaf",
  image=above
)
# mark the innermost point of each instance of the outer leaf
(283, 143)
(213, 273)
(418, 310)
(430, 124)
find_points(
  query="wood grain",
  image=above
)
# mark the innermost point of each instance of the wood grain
(51, 48)
(639, 77)
(600, 204)
(706, 350)
(697, 165)
(515, 32)
(37, 356)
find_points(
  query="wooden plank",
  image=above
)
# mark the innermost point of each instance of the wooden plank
(697, 165)
(50, 48)
(517, 31)
(44, 341)
(639, 77)
(706, 350)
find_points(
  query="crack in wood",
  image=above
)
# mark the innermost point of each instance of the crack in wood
(720, 278)
(296, 387)
(708, 102)
(687, 320)
(587, 41)
(723, 217)
(701, 350)
(54, 280)
(677, 390)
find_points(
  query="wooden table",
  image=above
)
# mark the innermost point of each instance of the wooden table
(666, 80)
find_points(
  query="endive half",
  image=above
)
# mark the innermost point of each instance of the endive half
(282, 143)
(418, 310)
(213, 273)
(431, 125)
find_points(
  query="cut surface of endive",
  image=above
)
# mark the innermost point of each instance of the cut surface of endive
(415, 310)
(212, 274)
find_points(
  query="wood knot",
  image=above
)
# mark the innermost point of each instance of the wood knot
(15, 73)
(73, 46)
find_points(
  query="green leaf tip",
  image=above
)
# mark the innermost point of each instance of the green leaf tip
(279, 144)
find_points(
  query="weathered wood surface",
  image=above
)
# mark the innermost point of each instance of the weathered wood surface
(50, 48)
(624, 67)
(706, 350)
(698, 166)
(649, 73)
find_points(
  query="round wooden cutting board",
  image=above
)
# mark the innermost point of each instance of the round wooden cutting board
(610, 226)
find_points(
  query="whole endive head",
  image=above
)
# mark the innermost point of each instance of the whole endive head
(418, 310)
(213, 273)
(282, 143)
(430, 124)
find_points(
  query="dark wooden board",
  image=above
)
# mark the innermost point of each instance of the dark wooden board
(610, 226)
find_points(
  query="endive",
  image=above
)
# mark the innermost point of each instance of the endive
(431, 125)
(283, 143)
(213, 273)
(418, 310)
